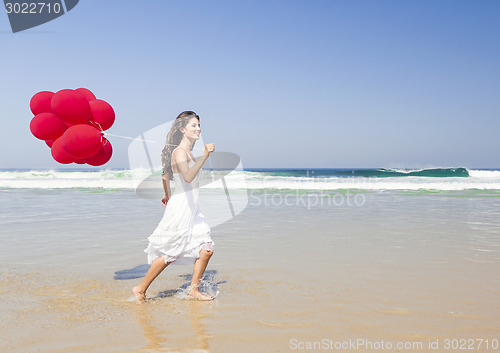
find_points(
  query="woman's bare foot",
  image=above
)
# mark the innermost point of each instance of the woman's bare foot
(196, 294)
(139, 296)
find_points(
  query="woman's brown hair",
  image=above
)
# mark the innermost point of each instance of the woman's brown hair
(174, 137)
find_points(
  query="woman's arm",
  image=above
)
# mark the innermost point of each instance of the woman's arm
(166, 186)
(181, 162)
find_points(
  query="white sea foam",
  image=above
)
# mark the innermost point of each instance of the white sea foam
(130, 179)
(490, 174)
(107, 179)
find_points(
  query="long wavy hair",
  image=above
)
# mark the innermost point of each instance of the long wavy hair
(174, 137)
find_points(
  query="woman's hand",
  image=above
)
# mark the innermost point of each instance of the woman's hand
(209, 148)
(164, 200)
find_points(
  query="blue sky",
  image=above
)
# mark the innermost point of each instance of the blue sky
(284, 84)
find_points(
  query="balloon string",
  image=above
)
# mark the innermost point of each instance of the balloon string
(98, 125)
(137, 138)
(95, 123)
(126, 137)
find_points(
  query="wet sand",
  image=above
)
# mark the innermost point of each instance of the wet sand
(399, 268)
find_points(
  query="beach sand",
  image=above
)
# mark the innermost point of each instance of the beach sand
(406, 268)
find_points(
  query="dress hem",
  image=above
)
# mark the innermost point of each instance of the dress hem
(185, 258)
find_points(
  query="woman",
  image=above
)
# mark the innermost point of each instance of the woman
(183, 236)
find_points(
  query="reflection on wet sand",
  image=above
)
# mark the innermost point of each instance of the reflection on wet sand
(155, 336)
(159, 338)
(186, 317)
(196, 319)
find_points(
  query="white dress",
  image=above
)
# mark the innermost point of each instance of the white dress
(182, 232)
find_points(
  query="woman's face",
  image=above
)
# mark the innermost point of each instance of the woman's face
(192, 130)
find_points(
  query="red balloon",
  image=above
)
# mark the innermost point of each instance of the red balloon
(80, 161)
(103, 156)
(82, 141)
(49, 142)
(47, 126)
(86, 93)
(40, 102)
(102, 113)
(71, 106)
(59, 154)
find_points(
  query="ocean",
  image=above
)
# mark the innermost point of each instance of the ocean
(432, 179)
(303, 257)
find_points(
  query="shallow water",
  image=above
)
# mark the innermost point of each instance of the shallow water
(393, 265)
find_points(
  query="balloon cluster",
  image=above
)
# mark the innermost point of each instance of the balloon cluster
(71, 122)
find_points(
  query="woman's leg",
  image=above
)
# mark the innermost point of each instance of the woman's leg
(199, 268)
(156, 268)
